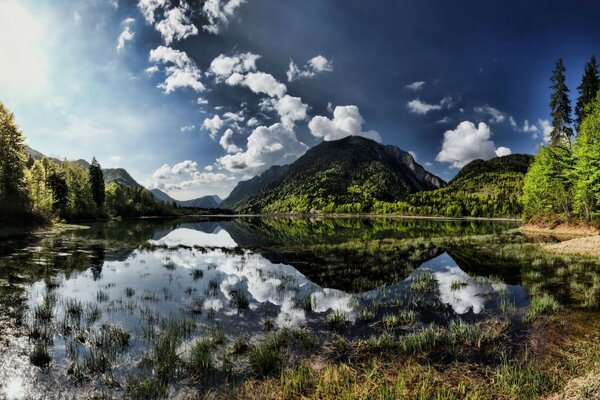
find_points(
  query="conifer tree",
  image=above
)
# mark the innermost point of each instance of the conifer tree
(560, 105)
(97, 183)
(590, 84)
(13, 190)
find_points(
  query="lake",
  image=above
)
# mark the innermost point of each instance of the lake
(96, 311)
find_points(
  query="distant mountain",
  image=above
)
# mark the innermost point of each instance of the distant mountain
(121, 176)
(346, 175)
(490, 188)
(202, 202)
(250, 187)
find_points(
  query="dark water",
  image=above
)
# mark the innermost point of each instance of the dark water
(234, 277)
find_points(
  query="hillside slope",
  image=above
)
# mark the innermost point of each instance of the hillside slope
(201, 202)
(346, 175)
(491, 188)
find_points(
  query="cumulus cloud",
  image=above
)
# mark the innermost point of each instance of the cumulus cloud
(259, 83)
(224, 66)
(176, 25)
(290, 109)
(314, 66)
(149, 7)
(252, 122)
(419, 107)
(227, 142)
(543, 127)
(126, 35)
(346, 121)
(182, 71)
(467, 143)
(201, 101)
(503, 151)
(266, 146)
(547, 129)
(416, 86)
(213, 125)
(185, 176)
(218, 13)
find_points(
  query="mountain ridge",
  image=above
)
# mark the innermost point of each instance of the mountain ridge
(333, 176)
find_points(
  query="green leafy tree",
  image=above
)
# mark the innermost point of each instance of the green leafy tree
(40, 193)
(97, 183)
(587, 164)
(560, 105)
(13, 190)
(547, 188)
(590, 84)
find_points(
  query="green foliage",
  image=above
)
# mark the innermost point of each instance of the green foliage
(547, 188)
(491, 188)
(97, 183)
(587, 165)
(13, 189)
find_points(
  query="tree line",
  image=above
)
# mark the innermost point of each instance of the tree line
(38, 191)
(563, 184)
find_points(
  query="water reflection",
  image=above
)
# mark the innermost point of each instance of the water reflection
(237, 276)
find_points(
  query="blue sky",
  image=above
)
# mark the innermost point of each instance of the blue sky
(192, 96)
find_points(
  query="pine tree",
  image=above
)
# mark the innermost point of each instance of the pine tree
(97, 183)
(13, 189)
(590, 84)
(560, 105)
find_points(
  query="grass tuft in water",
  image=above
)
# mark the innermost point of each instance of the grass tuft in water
(542, 305)
(337, 321)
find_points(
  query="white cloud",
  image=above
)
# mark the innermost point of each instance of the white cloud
(547, 129)
(267, 146)
(496, 116)
(236, 117)
(418, 107)
(259, 83)
(468, 142)
(185, 177)
(346, 121)
(181, 74)
(314, 66)
(227, 142)
(114, 3)
(125, 36)
(148, 8)
(213, 125)
(252, 122)
(416, 86)
(222, 67)
(201, 101)
(530, 128)
(128, 21)
(290, 109)
(503, 151)
(187, 128)
(218, 13)
(152, 70)
(176, 25)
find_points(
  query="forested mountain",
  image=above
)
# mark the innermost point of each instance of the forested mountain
(201, 202)
(491, 188)
(346, 175)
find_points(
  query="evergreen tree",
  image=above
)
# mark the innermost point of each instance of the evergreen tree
(60, 193)
(560, 105)
(40, 193)
(97, 183)
(587, 165)
(590, 84)
(13, 190)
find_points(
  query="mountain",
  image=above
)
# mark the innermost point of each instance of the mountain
(346, 175)
(491, 188)
(201, 202)
(246, 189)
(121, 176)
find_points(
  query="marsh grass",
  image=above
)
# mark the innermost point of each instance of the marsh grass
(542, 305)
(337, 321)
(200, 363)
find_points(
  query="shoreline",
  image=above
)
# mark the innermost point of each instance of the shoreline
(578, 239)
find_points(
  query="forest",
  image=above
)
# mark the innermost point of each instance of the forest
(46, 190)
(563, 183)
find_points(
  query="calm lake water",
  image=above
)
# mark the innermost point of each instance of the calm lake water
(65, 296)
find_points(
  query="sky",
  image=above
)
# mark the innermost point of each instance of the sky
(193, 96)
